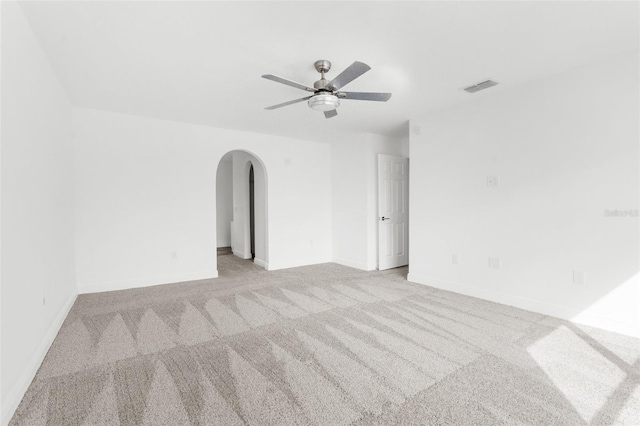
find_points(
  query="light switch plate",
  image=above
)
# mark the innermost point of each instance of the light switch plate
(493, 181)
(494, 262)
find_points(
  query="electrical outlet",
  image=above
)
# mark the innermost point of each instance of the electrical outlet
(494, 262)
(493, 181)
(174, 254)
(579, 277)
(455, 259)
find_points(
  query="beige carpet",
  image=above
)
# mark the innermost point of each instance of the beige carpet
(325, 345)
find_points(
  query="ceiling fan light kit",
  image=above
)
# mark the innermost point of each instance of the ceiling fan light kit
(324, 102)
(326, 97)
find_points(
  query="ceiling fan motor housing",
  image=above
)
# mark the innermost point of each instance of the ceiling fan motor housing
(320, 84)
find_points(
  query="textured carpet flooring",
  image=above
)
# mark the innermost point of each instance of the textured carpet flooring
(326, 345)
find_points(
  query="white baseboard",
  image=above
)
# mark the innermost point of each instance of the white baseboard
(569, 314)
(295, 263)
(145, 282)
(12, 398)
(261, 262)
(242, 255)
(352, 264)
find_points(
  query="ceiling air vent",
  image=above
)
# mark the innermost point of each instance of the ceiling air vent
(480, 86)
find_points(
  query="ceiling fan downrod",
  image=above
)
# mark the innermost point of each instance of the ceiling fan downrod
(322, 66)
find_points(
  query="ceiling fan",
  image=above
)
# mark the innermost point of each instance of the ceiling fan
(326, 94)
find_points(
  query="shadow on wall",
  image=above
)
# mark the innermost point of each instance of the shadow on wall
(234, 206)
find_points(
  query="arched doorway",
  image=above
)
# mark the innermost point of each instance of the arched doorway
(241, 207)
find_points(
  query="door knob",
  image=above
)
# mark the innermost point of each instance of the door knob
(384, 218)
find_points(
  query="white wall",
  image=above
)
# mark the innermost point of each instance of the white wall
(37, 207)
(146, 188)
(224, 201)
(349, 200)
(565, 149)
(354, 173)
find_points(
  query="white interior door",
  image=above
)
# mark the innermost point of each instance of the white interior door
(393, 211)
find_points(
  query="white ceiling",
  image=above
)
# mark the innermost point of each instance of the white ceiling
(201, 62)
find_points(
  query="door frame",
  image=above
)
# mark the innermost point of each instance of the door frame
(382, 265)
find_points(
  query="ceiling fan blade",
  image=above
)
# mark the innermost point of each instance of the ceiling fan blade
(365, 96)
(352, 72)
(329, 114)
(288, 82)
(295, 101)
